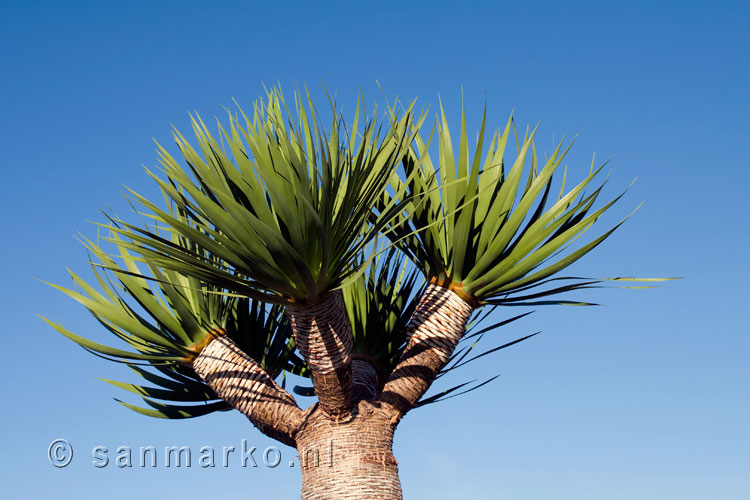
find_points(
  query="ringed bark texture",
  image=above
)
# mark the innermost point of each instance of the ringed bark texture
(365, 380)
(245, 385)
(324, 339)
(349, 460)
(436, 326)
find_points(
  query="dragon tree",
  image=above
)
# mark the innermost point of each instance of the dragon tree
(345, 255)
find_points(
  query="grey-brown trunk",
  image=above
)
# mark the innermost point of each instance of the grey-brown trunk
(350, 459)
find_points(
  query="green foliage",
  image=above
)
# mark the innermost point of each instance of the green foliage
(379, 305)
(487, 231)
(285, 205)
(162, 318)
(276, 210)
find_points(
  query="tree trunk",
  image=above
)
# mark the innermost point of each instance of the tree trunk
(436, 326)
(345, 441)
(324, 339)
(241, 382)
(350, 459)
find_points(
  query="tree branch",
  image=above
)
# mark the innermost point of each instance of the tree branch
(324, 339)
(366, 378)
(436, 326)
(245, 385)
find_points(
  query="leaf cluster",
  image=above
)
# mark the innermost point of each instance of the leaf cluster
(274, 210)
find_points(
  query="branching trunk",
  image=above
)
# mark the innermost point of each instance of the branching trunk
(438, 323)
(345, 442)
(349, 460)
(324, 339)
(366, 378)
(246, 386)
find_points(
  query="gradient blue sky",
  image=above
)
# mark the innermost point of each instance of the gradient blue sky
(646, 398)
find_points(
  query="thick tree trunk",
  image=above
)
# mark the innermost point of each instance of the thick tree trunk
(324, 339)
(367, 378)
(345, 441)
(241, 382)
(436, 326)
(351, 459)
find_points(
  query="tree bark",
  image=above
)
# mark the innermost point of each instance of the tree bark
(348, 460)
(366, 378)
(353, 458)
(436, 326)
(245, 385)
(345, 441)
(324, 338)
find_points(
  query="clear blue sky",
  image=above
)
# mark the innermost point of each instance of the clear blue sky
(646, 398)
